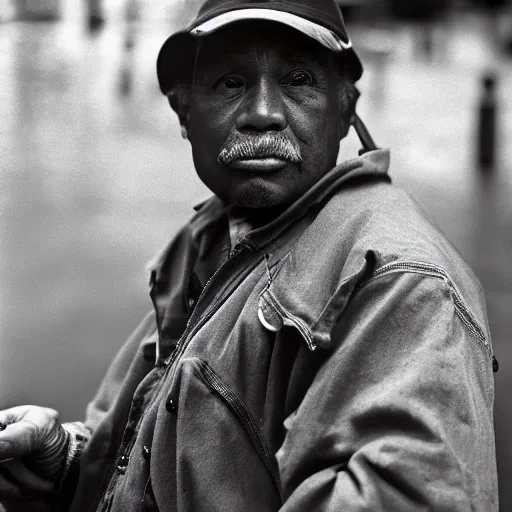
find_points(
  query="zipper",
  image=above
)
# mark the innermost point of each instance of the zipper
(192, 328)
(190, 331)
(461, 309)
(244, 416)
(172, 357)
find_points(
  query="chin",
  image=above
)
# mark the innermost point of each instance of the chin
(255, 202)
(260, 195)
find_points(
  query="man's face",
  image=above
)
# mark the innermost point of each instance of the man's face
(265, 115)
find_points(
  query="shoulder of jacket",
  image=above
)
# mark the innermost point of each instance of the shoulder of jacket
(379, 227)
(384, 219)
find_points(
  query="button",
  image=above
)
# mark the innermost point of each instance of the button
(122, 464)
(171, 405)
(123, 460)
(146, 452)
(191, 303)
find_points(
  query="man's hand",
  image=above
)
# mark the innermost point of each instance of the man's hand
(32, 450)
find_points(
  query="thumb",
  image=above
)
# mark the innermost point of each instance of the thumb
(25, 427)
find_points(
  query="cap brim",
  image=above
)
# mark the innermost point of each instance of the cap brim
(175, 63)
(323, 35)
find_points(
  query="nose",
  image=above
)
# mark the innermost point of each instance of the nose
(263, 109)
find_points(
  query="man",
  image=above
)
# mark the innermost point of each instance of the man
(315, 344)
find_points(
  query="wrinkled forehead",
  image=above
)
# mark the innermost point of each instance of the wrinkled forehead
(241, 41)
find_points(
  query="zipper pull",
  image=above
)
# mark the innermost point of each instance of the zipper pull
(269, 274)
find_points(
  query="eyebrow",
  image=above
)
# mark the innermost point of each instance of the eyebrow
(301, 56)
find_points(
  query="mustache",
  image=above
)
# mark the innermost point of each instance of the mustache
(240, 146)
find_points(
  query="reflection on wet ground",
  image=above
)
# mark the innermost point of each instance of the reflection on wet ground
(93, 183)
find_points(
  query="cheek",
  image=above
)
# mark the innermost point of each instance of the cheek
(209, 114)
(314, 118)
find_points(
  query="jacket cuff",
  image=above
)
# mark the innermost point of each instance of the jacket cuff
(78, 437)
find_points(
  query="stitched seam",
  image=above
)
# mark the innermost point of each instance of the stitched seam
(329, 302)
(300, 325)
(241, 411)
(427, 269)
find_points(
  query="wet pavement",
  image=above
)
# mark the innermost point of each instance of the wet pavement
(93, 183)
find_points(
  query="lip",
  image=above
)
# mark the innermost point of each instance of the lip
(259, 165)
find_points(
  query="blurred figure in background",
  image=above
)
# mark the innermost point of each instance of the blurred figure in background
(95, 18)
(315, 343)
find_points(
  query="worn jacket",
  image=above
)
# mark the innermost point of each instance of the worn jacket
(339, 359)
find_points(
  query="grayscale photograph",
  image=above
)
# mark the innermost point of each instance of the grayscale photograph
(255, 255)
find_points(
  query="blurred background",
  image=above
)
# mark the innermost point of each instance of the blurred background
(95, 178)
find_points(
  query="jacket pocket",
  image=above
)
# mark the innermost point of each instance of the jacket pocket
(241, 412)
(311, 305)
(224, 461)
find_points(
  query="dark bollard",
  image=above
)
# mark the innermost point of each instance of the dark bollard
(94, 23)
(95, 19)
(126, 76)
(487, 123)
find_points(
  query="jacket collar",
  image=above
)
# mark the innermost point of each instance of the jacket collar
(372, 164)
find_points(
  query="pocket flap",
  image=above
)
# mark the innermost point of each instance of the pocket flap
(310, 298)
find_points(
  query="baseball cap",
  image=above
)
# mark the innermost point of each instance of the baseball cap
(319, 19)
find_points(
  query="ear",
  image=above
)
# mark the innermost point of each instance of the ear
(179, 100)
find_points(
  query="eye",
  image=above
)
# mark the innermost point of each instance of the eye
(231, 82)
(299, 78)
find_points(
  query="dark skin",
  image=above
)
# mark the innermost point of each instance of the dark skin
(258, 77)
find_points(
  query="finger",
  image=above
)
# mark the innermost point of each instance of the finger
(18, 439)
(25, 428)
(8, 487)
(26, 479)
(33, 413)
(13, 414)
(9, 490)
